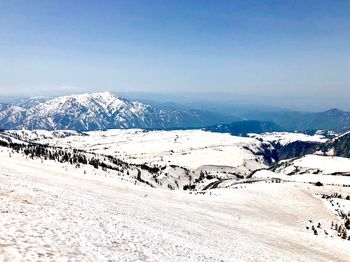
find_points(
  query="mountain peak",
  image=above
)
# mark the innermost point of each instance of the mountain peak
(106, 95)
(94, 94)
(335, 111)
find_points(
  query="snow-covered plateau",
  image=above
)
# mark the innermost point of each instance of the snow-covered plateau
(189, 148)
(132, 195)
(285, 138)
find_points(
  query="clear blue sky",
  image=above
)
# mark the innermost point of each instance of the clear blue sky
(238, 47)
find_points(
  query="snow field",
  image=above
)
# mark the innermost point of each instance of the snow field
(52, 212)
(188, 148)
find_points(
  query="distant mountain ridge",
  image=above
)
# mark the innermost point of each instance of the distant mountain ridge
(242, 128)
(98, 111)
(333, 119)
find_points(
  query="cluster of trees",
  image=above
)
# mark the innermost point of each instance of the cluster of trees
(342, 230)
(140, 179)
(189, 187)
(314, 230)
(202, 175)
(74, 157)
(77, 157)
(335, 195)
(46, 152)
(80, 157)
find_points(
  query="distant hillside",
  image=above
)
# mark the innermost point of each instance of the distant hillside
(334, 119)
(242, 128)
(339, 146)
(296, 149)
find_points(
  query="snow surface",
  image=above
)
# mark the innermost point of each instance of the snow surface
(51, 211)
(325, 163)
(188, 148)
(34, 135)
(284, 138)
(312, 169)
(315, 164)
(307, 178)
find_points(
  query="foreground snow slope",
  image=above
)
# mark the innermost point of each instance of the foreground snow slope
(53, 211)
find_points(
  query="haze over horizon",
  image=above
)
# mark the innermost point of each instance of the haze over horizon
(240, 51)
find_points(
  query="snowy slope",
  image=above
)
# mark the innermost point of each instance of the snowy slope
(51, 211)
(189, 148)
(285, 138)
(10, 116)
(38, 135)
(315, 164)
(11, 139)
(338, 146)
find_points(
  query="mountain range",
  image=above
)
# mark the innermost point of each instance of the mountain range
(333, 119)
(242, 128)
(98, 111)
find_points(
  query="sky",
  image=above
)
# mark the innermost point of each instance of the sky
(298, 48)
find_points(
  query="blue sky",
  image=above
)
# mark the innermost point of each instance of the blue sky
(267, 48)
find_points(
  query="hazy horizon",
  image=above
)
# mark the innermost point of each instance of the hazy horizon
(211, 101)
(290, 54)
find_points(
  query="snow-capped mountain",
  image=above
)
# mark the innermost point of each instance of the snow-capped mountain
(97, 111)
(29, 102)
